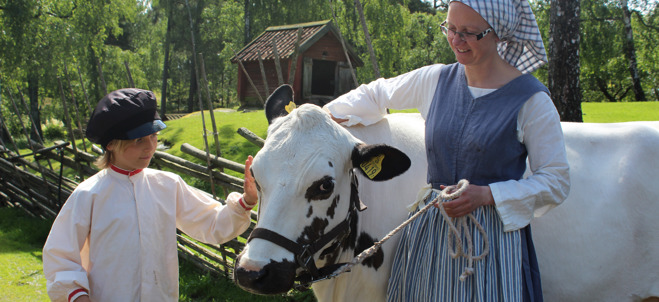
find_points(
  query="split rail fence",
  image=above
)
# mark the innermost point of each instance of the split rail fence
(35, 183)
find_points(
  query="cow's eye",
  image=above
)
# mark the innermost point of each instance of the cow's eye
(320, 189)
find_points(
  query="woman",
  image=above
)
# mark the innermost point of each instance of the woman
(484, 115)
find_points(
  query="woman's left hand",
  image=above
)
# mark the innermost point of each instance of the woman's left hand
(473, 197)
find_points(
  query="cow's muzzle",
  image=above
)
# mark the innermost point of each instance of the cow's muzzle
(274, 278)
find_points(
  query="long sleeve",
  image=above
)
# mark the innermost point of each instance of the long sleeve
(62, 260)
(207, 220)
(548, 183)
(368, 103)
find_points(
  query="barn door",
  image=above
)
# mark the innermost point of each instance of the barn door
(306, 77)
(344, 79)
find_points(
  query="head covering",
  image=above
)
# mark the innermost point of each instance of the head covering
(125, 114)
(514, 23)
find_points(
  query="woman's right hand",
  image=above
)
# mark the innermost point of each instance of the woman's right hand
(338, 120)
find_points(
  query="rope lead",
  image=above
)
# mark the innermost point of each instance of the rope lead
(449, 193)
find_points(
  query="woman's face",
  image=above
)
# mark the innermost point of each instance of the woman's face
(463, 19)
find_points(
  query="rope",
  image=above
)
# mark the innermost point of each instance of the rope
(449, 193)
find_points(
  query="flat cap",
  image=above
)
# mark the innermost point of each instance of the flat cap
(124, 114)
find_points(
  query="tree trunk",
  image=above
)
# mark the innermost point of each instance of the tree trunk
(367, 36)
(564, 66)
(165, 65)
(33, 95)
(248, 18)
(630, 52)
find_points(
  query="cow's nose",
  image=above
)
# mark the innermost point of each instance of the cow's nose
(274, 278)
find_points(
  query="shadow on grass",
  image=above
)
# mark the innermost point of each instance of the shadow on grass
(20, 232)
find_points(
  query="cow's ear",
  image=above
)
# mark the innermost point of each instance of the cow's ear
(379, 162)
(279, 103)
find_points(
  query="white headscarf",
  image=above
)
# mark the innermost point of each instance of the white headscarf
(514, 23)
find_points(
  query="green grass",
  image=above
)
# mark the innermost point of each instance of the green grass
(233, 146)
(620, 112)
(21, 240)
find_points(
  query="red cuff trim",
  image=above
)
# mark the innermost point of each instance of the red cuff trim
(243, 204)
(77, 293)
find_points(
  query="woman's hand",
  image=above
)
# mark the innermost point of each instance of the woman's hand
(337, 120)
(473, 197)
(250, 196)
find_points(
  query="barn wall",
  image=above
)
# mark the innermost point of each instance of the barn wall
(327, 48)
(248, 95)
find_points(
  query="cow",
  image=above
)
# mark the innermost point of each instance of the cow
(304, 174)
(601, 244)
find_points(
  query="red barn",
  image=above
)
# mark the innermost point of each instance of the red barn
(318, 71)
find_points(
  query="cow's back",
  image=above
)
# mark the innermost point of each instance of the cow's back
(602, 243)
(386, 202)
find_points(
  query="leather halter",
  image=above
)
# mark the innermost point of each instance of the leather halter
(304, 252)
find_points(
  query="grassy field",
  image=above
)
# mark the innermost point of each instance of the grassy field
(22, 237)
(620, 112)
(21, 240)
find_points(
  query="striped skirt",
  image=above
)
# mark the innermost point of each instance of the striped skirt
(423, 269)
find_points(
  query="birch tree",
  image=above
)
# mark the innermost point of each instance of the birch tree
(564, 64)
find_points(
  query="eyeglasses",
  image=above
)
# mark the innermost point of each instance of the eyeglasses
(465, 36)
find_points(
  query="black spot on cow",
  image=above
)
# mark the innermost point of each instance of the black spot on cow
(310, 212)
(320, 189)
(314, 231)
(332, 208)
(366, 241)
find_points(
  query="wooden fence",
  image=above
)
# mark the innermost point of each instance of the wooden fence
(35, 183)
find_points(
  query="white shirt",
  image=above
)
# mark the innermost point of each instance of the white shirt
(116, 235)
(538, 127)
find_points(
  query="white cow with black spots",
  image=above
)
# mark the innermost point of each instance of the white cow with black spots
(303, 174)
(601, 244)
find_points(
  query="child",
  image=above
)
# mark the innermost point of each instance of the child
(115, 237)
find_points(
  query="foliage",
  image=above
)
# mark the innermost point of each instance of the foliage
(56, 49)
(54, 130)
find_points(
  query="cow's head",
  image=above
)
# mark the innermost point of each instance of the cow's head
(308, 195)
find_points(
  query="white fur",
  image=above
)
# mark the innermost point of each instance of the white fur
(602, 243)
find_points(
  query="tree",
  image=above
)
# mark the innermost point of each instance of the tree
(564, 65)
(630, 52)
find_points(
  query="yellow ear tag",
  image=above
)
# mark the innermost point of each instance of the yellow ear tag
(290, 107)
(373, 166)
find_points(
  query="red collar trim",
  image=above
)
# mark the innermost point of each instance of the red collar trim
(124, 172)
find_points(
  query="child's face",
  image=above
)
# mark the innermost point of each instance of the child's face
(137, 154)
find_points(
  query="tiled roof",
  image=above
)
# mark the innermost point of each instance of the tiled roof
(286, 37)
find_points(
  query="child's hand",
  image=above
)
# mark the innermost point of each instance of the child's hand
(250, 195)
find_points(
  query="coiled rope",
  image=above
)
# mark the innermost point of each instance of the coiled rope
(456, 226)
